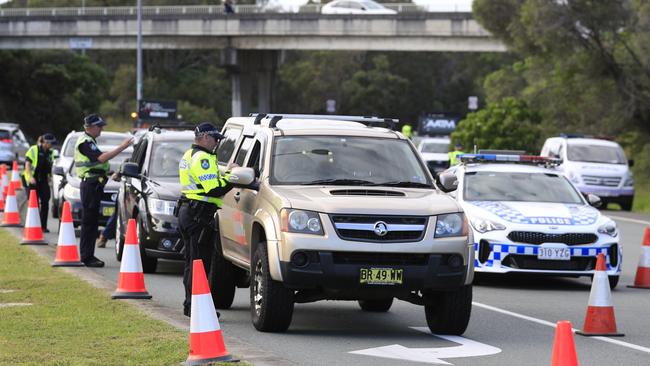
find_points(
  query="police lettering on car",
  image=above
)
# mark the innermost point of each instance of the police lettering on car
(202, 188)
(92, 168)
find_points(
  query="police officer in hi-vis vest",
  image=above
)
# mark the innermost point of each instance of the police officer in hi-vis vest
(92, 168)
(202, 186)
(38, 165)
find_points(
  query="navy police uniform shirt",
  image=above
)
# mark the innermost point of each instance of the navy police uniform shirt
(91, 150)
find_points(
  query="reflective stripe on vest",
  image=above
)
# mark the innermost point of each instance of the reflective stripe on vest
(190, 188)
(86, 168)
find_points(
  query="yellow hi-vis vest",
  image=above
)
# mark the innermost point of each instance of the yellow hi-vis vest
(85, 167)
(407, 131)
(199, 174)
(32, 154)
(453, 157)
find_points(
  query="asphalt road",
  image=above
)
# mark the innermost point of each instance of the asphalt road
(515, 315)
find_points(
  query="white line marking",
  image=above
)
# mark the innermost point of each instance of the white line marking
(629, 220)
(14, 304)
(552, 325)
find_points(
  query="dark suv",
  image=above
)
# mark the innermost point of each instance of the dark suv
(151, 197)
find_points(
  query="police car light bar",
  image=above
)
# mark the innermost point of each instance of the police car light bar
(502, 158)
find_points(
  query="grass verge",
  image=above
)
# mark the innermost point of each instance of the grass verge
(642, 199)
(71, 322)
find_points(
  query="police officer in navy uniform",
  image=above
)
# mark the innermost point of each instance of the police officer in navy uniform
(202, 186)
(92, 168)
(38, 165)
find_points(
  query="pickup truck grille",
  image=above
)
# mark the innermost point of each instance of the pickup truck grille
(531, 237)
(380, 229)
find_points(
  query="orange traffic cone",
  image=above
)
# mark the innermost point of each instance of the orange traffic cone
(4, 184)
(67, 253)
(33, 233)
(642, 278)
(11, 217)
(600, 320)
(206, 340)
(130, 283)
(3, 192)
(15, 178)
(564, 348)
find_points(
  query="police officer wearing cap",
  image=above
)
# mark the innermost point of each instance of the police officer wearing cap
(202, 186)
(38, 165)
(92, 167)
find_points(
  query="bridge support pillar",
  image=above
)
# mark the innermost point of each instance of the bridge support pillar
(252, 73)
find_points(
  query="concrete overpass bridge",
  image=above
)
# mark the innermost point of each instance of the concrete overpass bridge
(250, 40)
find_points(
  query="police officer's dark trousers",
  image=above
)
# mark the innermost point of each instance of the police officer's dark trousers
(43, 193)
(199, 240)
(92, 190)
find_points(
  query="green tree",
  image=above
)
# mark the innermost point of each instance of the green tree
(507, 125)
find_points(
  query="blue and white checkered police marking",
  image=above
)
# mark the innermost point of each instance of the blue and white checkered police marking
(500, 251)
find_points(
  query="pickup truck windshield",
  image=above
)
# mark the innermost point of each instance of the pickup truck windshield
(344, 160)
(596, 154)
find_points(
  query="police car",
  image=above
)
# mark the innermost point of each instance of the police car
(527, 217)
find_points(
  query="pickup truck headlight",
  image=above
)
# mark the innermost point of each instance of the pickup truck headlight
(301, 221)
(71, 193)
(161, 207)
(609, 228)
(483, 225)
(629, 180)
(451, 225)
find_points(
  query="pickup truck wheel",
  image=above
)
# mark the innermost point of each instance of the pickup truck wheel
(376, 306)
(449, 312)
(271, 302)
(222, 280)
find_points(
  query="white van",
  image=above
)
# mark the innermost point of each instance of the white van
(595, 166)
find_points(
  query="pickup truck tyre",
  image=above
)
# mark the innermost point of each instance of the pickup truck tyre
(376, 306)
(271, 302)
(626, 204)
(222, 280)
(449, 312)
(149, 264)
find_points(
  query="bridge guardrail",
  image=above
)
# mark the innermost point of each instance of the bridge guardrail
(172, 10)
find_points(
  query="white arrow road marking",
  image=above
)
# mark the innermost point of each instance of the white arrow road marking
(467, 348)
(10, 304)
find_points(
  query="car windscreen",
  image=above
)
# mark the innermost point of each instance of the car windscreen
(434, 147)
(345, 160)
(520, 187)
(5, 136)
(165, 156)
(596, 154)
(371, 5)
(101, 141)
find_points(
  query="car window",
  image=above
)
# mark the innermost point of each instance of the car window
(371, 5)
(434, 147)
(139, 152)
(5, 136)
(596, 154)
(354, 5)
(311, 159)
(254, 158)
(243, 150)
(519, 187)
(165, 156)
(228, 144)
(69, 147)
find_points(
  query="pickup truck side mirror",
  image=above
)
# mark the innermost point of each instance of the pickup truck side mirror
(630, 163)
(131, 170)
(58, 170)
(241, 176)
(594, 200)
(448, 181)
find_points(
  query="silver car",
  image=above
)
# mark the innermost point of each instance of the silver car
(13, 144)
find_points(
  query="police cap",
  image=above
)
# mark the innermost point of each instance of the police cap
(94, 120)
(207, 128)
(49, 138)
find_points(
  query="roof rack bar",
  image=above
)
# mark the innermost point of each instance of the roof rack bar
(362, 119)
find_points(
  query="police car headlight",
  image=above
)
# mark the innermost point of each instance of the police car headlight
(484, 225)
(161, 207)
(300, 221)
(71, 193)
(451, 225)
(609, 228)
